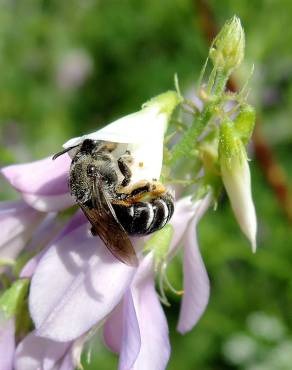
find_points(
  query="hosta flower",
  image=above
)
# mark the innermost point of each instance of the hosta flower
(95, 283)
(76, 283)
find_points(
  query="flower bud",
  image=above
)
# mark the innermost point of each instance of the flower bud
(228, 49)
(236, 178)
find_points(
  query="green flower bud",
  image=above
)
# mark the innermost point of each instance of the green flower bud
(236, 178)
(244, 123)
(230, 144)
(228, 48)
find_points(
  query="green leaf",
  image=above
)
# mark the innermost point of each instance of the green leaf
(12, 299)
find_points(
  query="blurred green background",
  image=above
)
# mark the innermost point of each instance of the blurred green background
(68, 67)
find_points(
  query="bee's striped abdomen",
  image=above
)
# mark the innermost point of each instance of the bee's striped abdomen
(144, 218)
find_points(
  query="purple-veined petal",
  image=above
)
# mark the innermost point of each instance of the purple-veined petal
(34, 353)
(76, 221)
(76, 284)
(43, 177)
(17, 222)
(113, 329)
(155, 348)
(196, 281)
(7, 343)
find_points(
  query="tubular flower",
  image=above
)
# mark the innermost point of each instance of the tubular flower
(76, 284)
(95, 283)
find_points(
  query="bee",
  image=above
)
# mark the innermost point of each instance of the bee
(100, 184)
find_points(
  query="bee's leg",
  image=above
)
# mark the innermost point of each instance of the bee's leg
(136, 192)
(124, 168)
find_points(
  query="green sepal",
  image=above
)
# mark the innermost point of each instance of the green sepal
(159, 243)
(230, 144)
(11, 300)
(244, 122)
(166, 101)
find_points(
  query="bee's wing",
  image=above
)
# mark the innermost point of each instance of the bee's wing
(106, 225)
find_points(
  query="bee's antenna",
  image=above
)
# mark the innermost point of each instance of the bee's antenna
(63, 152)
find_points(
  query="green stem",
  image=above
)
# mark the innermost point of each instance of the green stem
(188, 141)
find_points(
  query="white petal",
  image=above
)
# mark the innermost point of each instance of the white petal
(142, 133)
(128, 129)
(138, 127)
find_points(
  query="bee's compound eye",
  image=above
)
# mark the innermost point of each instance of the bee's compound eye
(91, 170)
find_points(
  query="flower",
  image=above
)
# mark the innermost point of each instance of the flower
(137, 327)
(75, 262)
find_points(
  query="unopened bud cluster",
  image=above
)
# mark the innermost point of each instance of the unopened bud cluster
(227, 52)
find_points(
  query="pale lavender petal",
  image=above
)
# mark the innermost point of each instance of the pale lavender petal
(67, 363)
(7, 343)
(131, 340)
(44, 233)
(196, 281)
(17, 223)
(30, 267)
(113, 329)
(155, 347)
(76, 284)
(34, 353)
(43, 177)
(49, 203)
(183, 212)
(76, 221)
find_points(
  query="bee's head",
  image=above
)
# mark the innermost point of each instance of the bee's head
(88, 146)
